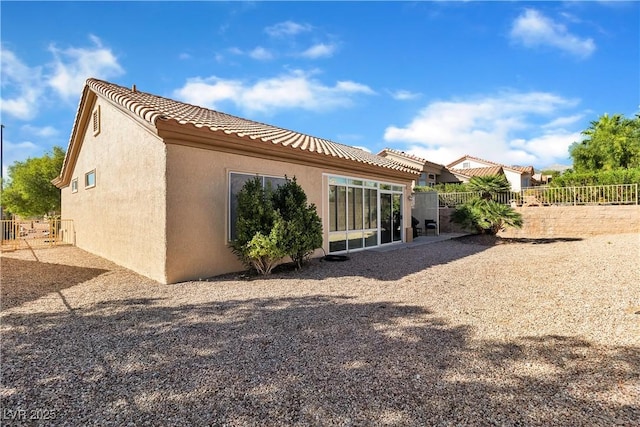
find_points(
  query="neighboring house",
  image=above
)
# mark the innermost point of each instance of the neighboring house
(151, 183)
(468, 167)
(430, 173)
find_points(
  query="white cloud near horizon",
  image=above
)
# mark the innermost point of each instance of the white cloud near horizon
(295, 90)
(533, 29)
(508, 127)
(73, 65)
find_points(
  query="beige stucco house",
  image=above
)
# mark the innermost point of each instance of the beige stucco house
(430, 173)
(468, 167)
(150, 183)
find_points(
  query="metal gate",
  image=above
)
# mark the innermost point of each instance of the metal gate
(22, 234)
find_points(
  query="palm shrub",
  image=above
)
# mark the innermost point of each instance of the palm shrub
(302, 225)
(483, 213)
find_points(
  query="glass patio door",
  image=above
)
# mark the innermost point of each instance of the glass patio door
(390, 218)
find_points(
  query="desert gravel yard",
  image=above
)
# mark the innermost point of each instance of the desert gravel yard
(459, 332)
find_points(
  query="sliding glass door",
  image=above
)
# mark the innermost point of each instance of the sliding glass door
(390, 217)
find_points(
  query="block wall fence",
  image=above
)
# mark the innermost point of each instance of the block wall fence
(564, 221)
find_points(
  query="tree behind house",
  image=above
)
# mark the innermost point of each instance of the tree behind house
(29, 191)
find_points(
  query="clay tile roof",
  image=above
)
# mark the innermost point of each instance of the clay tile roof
(471, 172)
(151, 108)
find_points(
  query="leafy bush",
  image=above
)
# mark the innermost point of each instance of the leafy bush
(274, 224)
(600, 177)
(265, 251)
(302, 225)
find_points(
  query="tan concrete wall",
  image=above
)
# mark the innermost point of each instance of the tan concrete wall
(123, 217)
(576, 221)
(564, 221)
(197, 200)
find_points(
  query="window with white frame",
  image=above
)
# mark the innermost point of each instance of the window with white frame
(466, 165)
(90, 179)
(236, 182)
(354, 213)
(74, 185)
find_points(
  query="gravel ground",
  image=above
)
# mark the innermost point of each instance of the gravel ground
(462, 332)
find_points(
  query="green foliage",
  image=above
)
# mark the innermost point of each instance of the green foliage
(30, 191)
(598, 177)
(448, 188)
(611, 142)
(256, 217)
(483, 213)
(302, 225)
(274, 224)
(489, 186)
(266, 251)
(486, 216)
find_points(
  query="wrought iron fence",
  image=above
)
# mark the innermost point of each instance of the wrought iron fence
(621, 194)
(19, 234)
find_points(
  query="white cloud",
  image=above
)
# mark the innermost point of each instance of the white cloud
(404, 95)
(287, 28)
(45, 132)
(319, 50)
(261, 54)
(503, 128)
(295, 90)
(72, 66)
(22, 101)
(533, 29)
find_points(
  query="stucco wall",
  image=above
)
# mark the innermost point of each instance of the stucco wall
(576, 221)
(197, 206)
(564, 221)
(123, 217)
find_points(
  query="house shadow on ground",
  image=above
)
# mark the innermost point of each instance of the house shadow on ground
(24, 280)
(317, 360)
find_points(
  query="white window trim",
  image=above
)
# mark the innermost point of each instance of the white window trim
(94, 179)
(74, 185)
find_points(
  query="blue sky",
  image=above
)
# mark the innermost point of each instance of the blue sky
(511, 82)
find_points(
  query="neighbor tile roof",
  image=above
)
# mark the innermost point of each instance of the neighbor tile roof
(152, 107)
(521, 169)
(471, 172)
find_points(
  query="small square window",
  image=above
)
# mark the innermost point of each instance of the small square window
(90, 179)
(95, 121)
(466, 165)
(74, 185)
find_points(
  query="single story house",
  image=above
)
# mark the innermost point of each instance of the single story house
(468, 167)
(430, 173)
(151, 183)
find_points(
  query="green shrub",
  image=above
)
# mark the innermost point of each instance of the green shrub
(486, 216)
(602, 177)
(483, 213)
(256, 217)
(264, 252)
(302, 225)
(274, 224)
